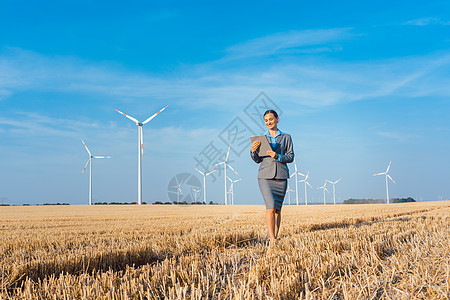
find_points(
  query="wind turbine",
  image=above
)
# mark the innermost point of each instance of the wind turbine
(204, 182)
(178, 187)
(195, 195)
(334, 193)
(296, 182)
(387, 175)
(289, 190)
(226, 164)
(231, 190)
(306, 183)
(90, 169)
(140, 148)
(324, 189)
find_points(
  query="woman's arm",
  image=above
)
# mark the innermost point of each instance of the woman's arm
(253, 154)
(288, 157)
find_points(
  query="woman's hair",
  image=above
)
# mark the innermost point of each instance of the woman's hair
(271, 111)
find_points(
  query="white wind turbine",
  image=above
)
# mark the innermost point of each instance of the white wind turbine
(231, 190)
(195, 195)
(306, 183)
(140, 148)
(225, 165)
(387, 175)
(296, 182)
(204, 182)
(289, 190)
(334, 193)
(324, 189)
(178, 187)
(90, 169)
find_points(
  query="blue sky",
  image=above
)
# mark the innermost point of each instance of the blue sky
(358, 84)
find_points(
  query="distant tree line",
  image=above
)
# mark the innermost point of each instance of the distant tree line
(401, 200)
(27, 204)
(117, 203)
(376, 201)
(182, 203)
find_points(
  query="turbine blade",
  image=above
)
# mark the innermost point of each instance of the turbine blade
(149, 119)
(210, 172)
(200, 172)
(292, 175)
(229, 179)
(301, 174)
(228, 153)
(217, 164)
(384, 173)
(232, 169)
(237, 180)
(85, 166)
(390, 178)
(129, 117)
(86, 148)
(337, 180)
(308, 184)
(326, 189)
(102, 157)
(389, 166)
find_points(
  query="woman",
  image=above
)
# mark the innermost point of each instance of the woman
(273, 172)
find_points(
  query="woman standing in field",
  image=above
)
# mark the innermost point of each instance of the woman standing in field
(273, 172)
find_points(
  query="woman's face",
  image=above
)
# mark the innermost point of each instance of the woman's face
(271, 121)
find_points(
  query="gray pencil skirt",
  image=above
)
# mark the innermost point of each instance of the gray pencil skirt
(273, 191)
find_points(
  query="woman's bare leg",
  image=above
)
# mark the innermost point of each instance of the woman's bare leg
(277, 222)
(270, 221)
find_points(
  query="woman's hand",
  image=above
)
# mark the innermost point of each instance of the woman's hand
(272, 154)
(255, 146)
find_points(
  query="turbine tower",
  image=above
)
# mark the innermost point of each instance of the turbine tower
(334, 193)
(90, 169)
(225, 165)
(306, 183)
(204, 182)
(140, 148)
(231, 190)
(296, 182)
(324, 189)
(387, 175)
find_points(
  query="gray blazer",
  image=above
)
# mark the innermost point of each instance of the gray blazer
(270, 168)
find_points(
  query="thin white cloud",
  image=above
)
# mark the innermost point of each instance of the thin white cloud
(427, 21)
(24, 126)
(306, 41)
(33, 125)
(214, 85)
(4, 93)
(399, 137)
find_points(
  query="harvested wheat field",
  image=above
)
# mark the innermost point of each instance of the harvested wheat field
(396, 251)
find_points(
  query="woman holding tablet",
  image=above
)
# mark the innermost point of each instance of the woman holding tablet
(273, 172)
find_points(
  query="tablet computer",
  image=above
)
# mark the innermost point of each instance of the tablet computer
(265, 146)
